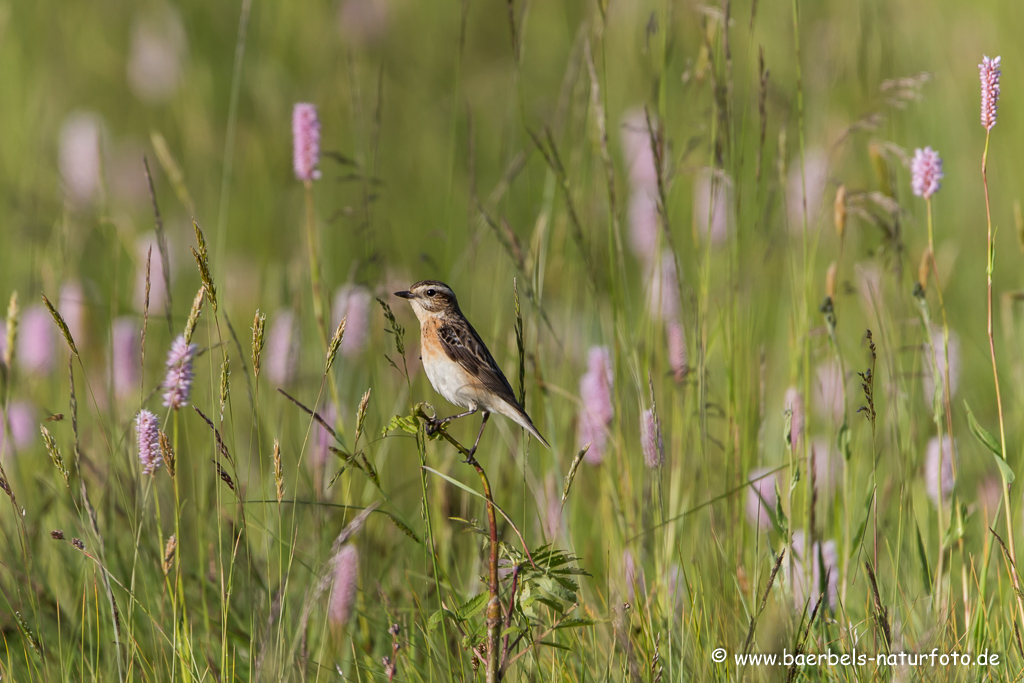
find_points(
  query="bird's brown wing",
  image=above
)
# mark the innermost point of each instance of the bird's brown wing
(462, 344)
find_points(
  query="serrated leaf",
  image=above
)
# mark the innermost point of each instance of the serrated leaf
(473, 606)
(550, 603)
(404, 422)
(435, 619)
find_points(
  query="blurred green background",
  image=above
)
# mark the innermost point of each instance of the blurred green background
(441, 124)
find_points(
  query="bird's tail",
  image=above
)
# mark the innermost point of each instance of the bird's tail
(523, 420)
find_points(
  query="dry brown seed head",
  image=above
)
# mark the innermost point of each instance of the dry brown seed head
(839, 211)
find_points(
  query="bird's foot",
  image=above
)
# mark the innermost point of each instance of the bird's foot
(434, 426)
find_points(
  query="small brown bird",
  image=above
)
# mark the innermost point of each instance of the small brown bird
(457, 362)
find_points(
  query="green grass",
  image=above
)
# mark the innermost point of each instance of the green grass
(464, 148)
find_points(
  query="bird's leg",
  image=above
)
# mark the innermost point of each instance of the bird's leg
(471, 459)
(436, 424)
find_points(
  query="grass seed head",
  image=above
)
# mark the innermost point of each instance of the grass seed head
(259, 323)
(278, 471)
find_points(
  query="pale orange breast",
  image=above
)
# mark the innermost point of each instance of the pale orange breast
(447, 377)
(430, 345)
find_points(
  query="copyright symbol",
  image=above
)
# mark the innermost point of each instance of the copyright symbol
(718, 655)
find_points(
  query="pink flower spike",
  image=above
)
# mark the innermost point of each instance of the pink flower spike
(341, 604)
(806, 588)
(306, 141)
(147, 428)
(36, 341)
(321, 454)
(926, 172)
(22, 420)
(352, 302)
(990, 73)
(678, 356)
(282, 352)
(125, 356)
(178, 382)
(596, 411)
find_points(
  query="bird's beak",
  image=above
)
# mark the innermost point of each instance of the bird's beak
(405, 294)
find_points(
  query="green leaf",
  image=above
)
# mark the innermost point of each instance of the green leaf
(575, 623)
(1005, 470)
(471, 527)
(472, 492)
(922, 555)
(435, 619)
(855, 546)
(982, 434)
(779, 519)
(462, 613)
(843, 441)
(957, 528)
(473, 606)
(404, 422)
(989, 442)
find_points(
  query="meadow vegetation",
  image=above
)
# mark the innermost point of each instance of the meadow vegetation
(742, 261)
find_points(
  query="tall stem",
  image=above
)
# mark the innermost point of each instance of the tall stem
(493, 612)
(312, 245)
(314, 266)
(945, 394)
(989, 267)
(493, 603)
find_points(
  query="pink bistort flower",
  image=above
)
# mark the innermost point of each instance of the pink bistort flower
(125, 356)
(147, 429)
(353, 303)
(345, 584)
(306, 141)
(178, 382)
(925, 172)
(597, 410)
(990, 73)
(36, 336)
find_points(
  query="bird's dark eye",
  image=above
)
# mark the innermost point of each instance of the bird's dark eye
(431, 292)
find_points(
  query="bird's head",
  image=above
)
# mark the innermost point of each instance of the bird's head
(430, 298)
